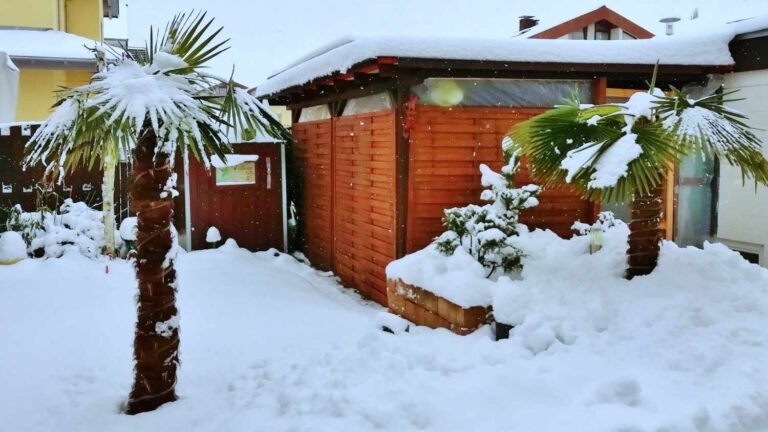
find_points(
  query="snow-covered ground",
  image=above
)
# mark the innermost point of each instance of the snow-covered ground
(269, 344)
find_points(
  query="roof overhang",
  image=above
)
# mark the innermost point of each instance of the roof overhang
(387, 73)
(354, 66)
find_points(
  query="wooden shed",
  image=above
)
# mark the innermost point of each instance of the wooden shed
(390, 131)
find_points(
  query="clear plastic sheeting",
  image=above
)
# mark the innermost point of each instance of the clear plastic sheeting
(317, 112)
(367, 104)
(501, 92)
(694, 201)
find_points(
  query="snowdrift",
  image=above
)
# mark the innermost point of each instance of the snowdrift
(683, 348)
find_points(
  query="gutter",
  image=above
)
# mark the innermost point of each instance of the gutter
(58, 63)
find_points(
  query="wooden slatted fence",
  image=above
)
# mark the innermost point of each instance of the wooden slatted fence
(447, 146)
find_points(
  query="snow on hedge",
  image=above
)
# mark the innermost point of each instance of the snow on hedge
(710, 49)
(73, 226)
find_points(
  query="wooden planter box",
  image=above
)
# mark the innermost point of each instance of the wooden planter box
(422, 307)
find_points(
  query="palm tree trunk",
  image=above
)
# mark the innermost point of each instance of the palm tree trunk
(645, 232)
(108, 201)
(156, 345)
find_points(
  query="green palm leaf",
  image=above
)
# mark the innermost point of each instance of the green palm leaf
(573, 143)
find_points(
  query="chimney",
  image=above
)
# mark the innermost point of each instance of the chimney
(527, 21)
(670, 22)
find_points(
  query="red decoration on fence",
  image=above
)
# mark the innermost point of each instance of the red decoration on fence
(410, 115)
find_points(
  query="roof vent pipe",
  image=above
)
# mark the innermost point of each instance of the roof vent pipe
(527, 21)
(670, 22)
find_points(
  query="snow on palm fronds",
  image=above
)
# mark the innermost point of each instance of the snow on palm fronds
(614, 151)
(707, 126)
(168, 93)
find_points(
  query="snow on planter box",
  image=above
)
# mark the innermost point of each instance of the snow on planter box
(430, 289)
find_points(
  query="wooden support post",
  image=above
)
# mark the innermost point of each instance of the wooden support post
(402, 160)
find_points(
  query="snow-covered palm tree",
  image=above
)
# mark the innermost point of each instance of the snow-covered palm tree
(151, 109)
(622, 153)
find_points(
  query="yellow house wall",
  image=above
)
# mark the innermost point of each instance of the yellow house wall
(37, 90)
(37, 87)
(83, 17)
(283, 114)
(30, 13)
(36, 93)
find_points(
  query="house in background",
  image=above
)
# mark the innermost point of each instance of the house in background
(602, 23)
(741, 210)
(390, 130)
(47, 40)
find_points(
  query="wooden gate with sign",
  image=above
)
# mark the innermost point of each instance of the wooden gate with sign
(243, 200)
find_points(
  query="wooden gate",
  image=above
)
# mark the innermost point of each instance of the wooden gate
(313, 144)
(244, 204)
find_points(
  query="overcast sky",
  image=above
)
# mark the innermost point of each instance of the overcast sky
(268, 34)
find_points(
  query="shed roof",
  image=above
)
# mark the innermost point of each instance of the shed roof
(47, 48)
(345, 54)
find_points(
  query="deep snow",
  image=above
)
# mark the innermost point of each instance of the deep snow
(269, 344)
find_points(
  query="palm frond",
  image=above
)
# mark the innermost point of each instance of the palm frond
(170, 95)
(706, 126)
(585, 139)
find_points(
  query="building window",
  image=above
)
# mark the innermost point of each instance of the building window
(579, 34)
(603, 31)
(502, 92)
(752, 257)
(313, 113)
(368, 104)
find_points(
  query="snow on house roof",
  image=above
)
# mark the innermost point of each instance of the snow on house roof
(749, 25)
(583, 16)
(46, 44)
(700, 50)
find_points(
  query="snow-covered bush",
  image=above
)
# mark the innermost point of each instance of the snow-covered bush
(75, 225)
(50, 233)
(484, 231)
(605, 220)
(26, 224)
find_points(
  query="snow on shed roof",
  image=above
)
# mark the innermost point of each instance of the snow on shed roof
(338, 57)
(45, 44)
